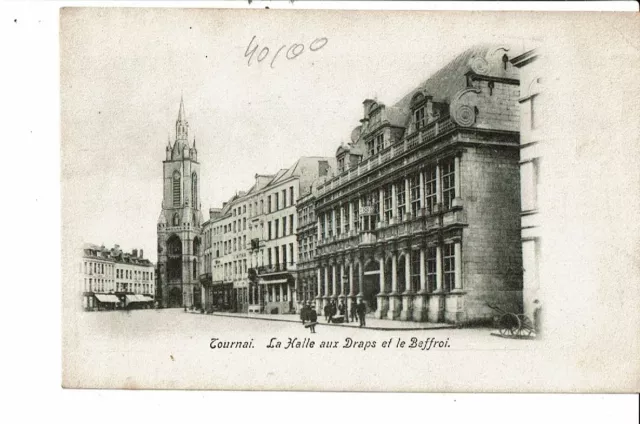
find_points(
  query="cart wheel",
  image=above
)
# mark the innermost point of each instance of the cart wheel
(509, 324)
(526, 326)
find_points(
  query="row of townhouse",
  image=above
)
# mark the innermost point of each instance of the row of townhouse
(111, 278)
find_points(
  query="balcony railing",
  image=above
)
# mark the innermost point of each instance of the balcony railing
(424, 135)
(283, 267)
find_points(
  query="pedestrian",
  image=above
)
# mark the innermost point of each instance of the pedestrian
(362, 310)
(341, 308)
(304, 313)
(354, 312)
(333, 310)
(313, 320)
(327, 312)
(537, 317)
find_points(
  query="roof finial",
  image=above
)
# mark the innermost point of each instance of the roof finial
(194, 141)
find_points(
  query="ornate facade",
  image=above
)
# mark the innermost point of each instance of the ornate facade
(422, 220)
(179, 224)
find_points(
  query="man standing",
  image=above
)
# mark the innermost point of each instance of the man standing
(354, 312)
(362, 310)
(327, 312)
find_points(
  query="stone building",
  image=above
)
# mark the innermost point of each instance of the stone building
(113, 279)
(422, 220)
(252, 250)
(179, 224)
(531, 146)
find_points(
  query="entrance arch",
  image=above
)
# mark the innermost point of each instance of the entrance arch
(174, 259)
(175, 298)
(371, 284)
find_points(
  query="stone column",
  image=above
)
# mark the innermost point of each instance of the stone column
(436, 299)
(394, 202)
(458, 267)
(422, 202)
(394, 297)
(438, 185)
(360, 279)
(333, 282)
(280, 288)
(420, 300)
(407, 302)
(333, 221)
(326, 287)
(319, 228)
(407, 197)
(351, 216)
(457, 201)
(381, 207)
(319, 295)
(383, 299)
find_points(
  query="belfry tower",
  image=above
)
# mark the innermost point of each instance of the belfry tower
(179, 224)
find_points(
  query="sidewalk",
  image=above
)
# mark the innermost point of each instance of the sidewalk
(372, 323)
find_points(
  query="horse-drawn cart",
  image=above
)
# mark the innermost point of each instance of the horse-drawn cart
(513, 326)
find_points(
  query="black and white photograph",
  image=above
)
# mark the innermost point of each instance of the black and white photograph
(397, 201)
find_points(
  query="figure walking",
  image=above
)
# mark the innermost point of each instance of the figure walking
(362, 310)
(354, 312)
(313, 320)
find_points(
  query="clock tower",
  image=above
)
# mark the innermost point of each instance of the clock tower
(179, 224)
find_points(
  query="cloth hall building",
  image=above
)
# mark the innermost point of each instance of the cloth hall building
(422, 218)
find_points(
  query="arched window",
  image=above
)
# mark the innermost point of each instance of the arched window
(176, 220)
(195, 269)
(194, 190)
(176, 189)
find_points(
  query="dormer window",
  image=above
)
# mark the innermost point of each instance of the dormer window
(418, 117)
(379, 142)
(341, 164)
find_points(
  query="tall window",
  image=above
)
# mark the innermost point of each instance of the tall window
(269, 204)
(323, 229)
(277, 228)
(415, 270)
(194, 190)
(284, 198)
(176, 189)
(261, 206)
(388, 202)
(379, 142)
(276, 201)
(269, 229)
(291, 252)
(195, 269)
(329, 224)
(346, 219)
(269, 256)
(401, 198)
(338, 213)
(284, 226)
(371, 147)
(356, 216)
(284, 256)
(449, 267)
(430, 196)
(414, 187)
(291, 199)
(244, 223)
(419, 118)
(290, 224)
(448, 184)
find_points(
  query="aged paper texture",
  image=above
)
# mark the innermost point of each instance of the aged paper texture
(466, 183)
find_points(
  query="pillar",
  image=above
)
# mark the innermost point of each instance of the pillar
(407, 197)
(319, 295)
(438, 185)
(407, 302)
(422, 202)
(383, 299)
(420, 299)
(350, 218)
(458, 266)
(381, 205)
(457, 200)
(289, 299)
(394, 297)
(333, 221)
(333, 281)
(436, 299)
(394, 202)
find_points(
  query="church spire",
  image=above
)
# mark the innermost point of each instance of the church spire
(182, 126)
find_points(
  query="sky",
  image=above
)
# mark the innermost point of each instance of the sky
(123, 72)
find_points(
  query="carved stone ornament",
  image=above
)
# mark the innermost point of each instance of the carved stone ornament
(462, 108)
(479, 65)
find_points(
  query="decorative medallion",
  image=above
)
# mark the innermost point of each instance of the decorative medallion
(465, 115)
(479, 65)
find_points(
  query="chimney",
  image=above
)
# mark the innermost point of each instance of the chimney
(141, 251)
(367, 104)
(134, 253)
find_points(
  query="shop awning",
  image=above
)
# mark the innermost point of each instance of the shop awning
(280, 281)
(107, 298)
(137, 298)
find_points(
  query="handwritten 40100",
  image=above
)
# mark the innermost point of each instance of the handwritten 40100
(293, 51)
